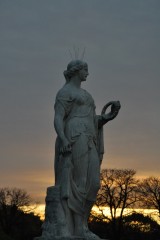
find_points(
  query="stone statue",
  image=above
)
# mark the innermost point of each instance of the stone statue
(78, 155)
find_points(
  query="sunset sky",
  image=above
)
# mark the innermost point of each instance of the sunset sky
(122, 41)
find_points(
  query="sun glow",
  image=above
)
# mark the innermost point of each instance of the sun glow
(152, 213)
(40, 211)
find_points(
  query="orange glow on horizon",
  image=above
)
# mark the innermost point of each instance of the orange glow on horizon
(153, 213)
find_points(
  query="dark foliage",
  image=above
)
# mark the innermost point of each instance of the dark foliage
(15, 224)
(135, 227)
(149, 193)
(100, 228)
(117, 192)
(20, 225)
(140, 227)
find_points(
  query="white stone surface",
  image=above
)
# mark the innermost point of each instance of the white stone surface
(78, 155)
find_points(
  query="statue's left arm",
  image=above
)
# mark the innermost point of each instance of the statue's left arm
(106, 117)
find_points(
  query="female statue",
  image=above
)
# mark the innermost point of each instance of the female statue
(78, 148)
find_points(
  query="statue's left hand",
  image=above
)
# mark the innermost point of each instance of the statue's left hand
(115, 107)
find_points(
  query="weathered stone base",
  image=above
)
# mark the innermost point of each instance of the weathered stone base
(54, 226)
(64, 238)
(60, 238)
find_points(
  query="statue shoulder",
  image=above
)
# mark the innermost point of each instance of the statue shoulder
(65, 99)
(65, 93)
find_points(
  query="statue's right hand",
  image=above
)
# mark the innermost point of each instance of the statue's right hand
(65, 146)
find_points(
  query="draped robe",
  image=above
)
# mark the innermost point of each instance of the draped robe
(78, 173)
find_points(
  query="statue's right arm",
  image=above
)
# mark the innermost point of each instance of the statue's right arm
(58, 121)
(59, 127)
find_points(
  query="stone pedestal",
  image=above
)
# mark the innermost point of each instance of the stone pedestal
(59, 238)
(54, 226)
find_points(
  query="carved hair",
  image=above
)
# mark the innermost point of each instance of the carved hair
(73, 68)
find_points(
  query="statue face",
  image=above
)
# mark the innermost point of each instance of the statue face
(83, 73)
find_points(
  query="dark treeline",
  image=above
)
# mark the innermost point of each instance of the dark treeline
(17, 222)
(120, 189)
(136, 226)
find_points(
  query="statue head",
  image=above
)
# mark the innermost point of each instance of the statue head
(73, 68)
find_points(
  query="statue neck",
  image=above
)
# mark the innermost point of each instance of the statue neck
(75, 81)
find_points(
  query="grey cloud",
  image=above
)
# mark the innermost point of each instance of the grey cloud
(122, 50)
